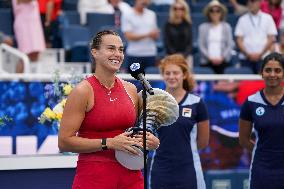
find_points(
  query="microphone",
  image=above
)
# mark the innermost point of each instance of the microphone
(136, 71)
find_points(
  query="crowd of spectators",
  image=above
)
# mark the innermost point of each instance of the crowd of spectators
(220, 34)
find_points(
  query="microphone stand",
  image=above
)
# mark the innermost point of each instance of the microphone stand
(144, 97)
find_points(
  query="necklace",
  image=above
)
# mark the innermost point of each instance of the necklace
(107, 89)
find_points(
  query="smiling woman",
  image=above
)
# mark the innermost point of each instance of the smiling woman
(96, 114)
(263, 111)
(176, 162)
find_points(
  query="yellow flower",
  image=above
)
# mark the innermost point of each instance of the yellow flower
(59, 116)
(63, 102)
(67, 89)
(49, 114)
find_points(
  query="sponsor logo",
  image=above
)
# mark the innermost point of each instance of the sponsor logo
(186, 112)
(134, 67)
(259, 111)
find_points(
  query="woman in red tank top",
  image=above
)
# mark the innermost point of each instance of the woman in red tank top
(95, 116)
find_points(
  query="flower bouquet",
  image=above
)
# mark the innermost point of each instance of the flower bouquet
(57, 93)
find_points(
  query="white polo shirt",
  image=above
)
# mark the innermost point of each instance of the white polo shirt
(140, 24)
(255, 30)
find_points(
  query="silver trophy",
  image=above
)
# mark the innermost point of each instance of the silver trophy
(162, 110)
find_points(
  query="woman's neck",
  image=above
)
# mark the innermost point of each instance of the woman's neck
(178, 94)
(273, 91)
(105, 79)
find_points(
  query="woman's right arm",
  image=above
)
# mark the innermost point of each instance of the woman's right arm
(73, 116)
(245, 130)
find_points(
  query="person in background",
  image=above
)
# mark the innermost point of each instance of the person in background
(119, 7)
(176, 163)
(240, 6)
(96, 114)
(273, 7)
(215, 38)
(90, 6)
(263, 112)
(6, 39)
(49, 12)
(141, 32)
(178, 31)
(28, 30)
(255, 34)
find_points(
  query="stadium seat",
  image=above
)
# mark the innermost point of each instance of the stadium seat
(162, 19)
(77, 46)
(238, 70)
(72, 17)
(202, 70)
(163, 8)
(69, 5)
(6, 22)
(197, 19)
(152, 70)
(95, 21)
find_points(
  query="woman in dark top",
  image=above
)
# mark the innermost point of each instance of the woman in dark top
(178, 30)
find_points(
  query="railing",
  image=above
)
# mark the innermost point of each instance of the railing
(15, 52)
(154, 77)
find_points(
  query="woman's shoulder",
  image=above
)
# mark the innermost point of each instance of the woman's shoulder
(83, 88)
(128, 85)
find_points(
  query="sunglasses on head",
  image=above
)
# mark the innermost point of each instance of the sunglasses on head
(179, 8)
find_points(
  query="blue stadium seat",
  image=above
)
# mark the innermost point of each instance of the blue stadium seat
(199, 6)
(162, 19)
(75, 41)
(163, 8)
(197, 19)
(69, 5)
(6, 22)
(72, 17)
(152, 70)
(95, 21)
(232, 19)
(202, 70)
(238, 70)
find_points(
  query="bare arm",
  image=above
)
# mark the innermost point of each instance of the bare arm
(268, 45)
(73, 115)
(154, 34)
(202, 134)
(245, 130)
(49, 9)
(240, 43)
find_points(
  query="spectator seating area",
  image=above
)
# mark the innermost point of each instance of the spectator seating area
(76, 37)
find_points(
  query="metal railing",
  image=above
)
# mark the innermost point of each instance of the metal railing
(15, 52)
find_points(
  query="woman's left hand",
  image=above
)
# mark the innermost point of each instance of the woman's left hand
(152, 142)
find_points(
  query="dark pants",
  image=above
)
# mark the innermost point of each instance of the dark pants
(254, 66)
(218, 69)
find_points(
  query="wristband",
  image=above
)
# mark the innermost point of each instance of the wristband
(104, 145)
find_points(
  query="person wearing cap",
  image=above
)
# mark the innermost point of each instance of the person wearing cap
(255, 33)
(215, 39)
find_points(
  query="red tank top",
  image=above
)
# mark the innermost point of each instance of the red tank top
(112, 113)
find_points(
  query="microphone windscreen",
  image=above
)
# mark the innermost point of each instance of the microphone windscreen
(135, 69)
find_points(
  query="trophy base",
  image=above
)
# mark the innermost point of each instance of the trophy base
(132, 162)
